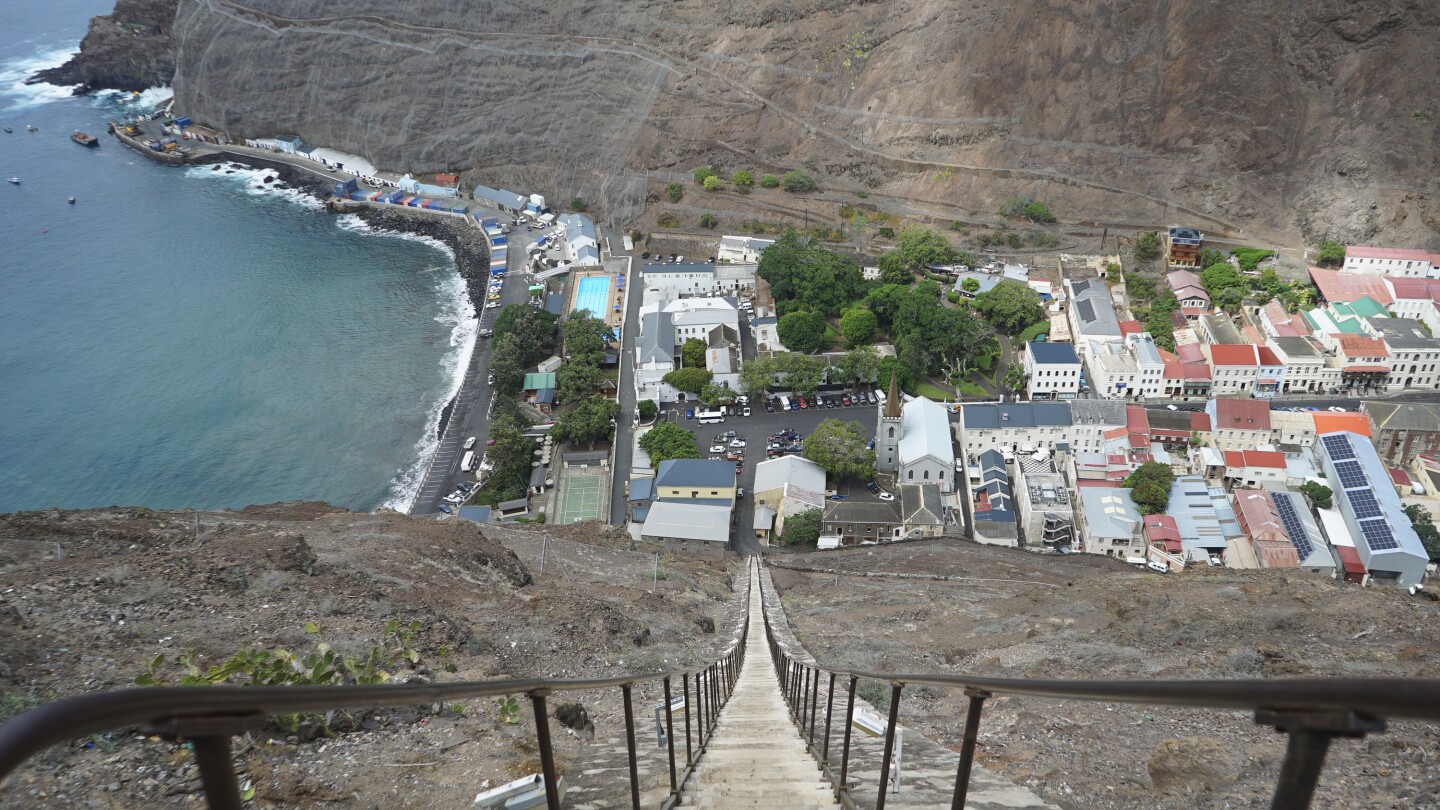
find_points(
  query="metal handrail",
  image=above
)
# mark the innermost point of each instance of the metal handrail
(208, 716)
(1311, 711)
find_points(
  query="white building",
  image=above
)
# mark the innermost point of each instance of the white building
(1052, 371)
(741, 249)
(787, 485)
(1018, 427)
(913, 441)
(671, 280)
(1129, 370)
(1382, 261)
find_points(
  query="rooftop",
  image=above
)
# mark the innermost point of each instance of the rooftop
(1402, 254)
(688, 521)
(777, 472)
(1020, 414)
(695, 472)
(1241, 414)
(1337, 286)
(1052, 353)
(1362, 346)
(1403, 416)
(926, 431)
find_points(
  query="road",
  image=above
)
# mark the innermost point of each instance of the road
(471, 414)
(625, 422)
(756, 429)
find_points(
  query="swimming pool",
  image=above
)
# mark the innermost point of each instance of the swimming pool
(593, 293)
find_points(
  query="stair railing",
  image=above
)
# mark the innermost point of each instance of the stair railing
(1311, 711)
(208, 716)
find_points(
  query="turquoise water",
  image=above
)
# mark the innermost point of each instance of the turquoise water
(182, 337)
(593, 294)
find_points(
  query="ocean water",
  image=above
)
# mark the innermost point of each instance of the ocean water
(186, 337)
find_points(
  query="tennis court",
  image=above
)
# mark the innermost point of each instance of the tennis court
(581, 494)
(593, 293)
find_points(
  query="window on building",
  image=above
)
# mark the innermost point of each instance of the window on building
(911, 475)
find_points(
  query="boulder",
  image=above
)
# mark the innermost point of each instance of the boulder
(1194, 762)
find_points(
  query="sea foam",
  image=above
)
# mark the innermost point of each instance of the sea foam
(13, 72)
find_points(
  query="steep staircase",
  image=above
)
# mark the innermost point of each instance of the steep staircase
(756, 757)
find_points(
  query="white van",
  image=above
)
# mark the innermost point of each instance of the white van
(467, 463)
(784, 403)
(710, 417)
(880, 397)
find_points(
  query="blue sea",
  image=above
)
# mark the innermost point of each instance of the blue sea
(190, 338)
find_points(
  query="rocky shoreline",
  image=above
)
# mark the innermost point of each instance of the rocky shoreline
(128, 49)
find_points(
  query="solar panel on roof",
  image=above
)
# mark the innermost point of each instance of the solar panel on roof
(1351, 475)
(1087, 310)
(1338, 447)
(1293, 526)
(1364, 505)
(1378, 535)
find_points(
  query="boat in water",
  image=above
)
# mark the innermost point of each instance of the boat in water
(72, 200)
(15, 180)
(8, 129)
(33, 129)
(83, 139)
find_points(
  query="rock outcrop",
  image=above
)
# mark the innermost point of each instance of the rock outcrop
(1269, 121)
(128, 49)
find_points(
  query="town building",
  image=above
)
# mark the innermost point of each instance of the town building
(1311, 551)
(741, 249)
(654, 358)
(685, 521)
(787, 486)
(1090, 422)
(1275, 322)
(913, 441)
(1132, 369)
(1416, 298)
(992, 503)
(1249, 469)
(1293, 431)
(507, 201)
(1017, 427)
(1203, 516)
(1188, 290)
(1235, 368)
(1110, 524)
(1365, 362)
(1265, 543)
(1173, 430)
(1217, 328)
(1091, 311)
(1181, 246)
(1414, 354)
(922, 511)
(1337, 286)
(1047, 520)
(1403, 430)
(1372, 510)
(582, 248)
(665, 280)
(1383, 261)
(1238, 424)
(1052, 371)
(695, 479)
(1306, 367)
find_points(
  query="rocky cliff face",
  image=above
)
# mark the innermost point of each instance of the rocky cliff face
(1262, 119)
(129, 49)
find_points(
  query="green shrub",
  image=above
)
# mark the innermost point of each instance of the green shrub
(708, 220)
(953, 297)
(703, 173)
(770, 181)
(675, 191)
(887, 232)
(577, 204)
(797, 182)
(667, 219)
(1147, 246)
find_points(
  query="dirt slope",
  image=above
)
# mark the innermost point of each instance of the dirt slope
(132, 584)
(1271, 120)
(1017, 615)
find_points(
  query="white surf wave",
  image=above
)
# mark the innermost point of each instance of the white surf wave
(13, 72)
(457, 311)
(252, 180)
(131, 103)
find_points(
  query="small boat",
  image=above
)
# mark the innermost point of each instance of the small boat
(8, 129)
(72, 200)
(33, 129)
(15, 180)
(83, 139)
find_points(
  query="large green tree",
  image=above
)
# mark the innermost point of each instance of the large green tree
(803, 528)
(533, 330)
(509, 459)
(858, 326)
(840, 448)
(920, 247)
(714, 394)
(1150, 487)
(801, 373)
(692, 353)
(1320, 495)
(857, 366)
(893, 269)
(589, 423)
(507, 366)
(577, 381)
(586, 337)
(689, 380)
(1147, 246)
(804, 275)
(802, 332)
(1330, 254)
(1010, 305)
(666, 441)
(756, 375)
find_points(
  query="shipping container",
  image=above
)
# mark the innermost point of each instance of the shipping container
(182, 122)
(405, 201)
(458, 209)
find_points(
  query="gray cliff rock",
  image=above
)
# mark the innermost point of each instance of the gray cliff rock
(129, 49)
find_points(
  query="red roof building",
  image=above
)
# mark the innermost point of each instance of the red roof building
(1336, 286)
(1162, 531)
(1191, 353)
(1241, 354)
(1130, 328)
(1242, 414)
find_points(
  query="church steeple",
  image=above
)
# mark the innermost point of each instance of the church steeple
(892, 404)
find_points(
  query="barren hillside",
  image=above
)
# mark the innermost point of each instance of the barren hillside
(1262, 119)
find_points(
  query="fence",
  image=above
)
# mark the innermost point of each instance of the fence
(548, 556)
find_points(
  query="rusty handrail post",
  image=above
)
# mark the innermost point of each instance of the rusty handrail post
(814, 700)
(547, 754)
(804, 698)
(700, 709)
(889, 743)
(849, 719)
(630, 747)
(967, 747)
(670, 738)
(1310, 734)
(685, 685)
(829, 713)
(217, 771)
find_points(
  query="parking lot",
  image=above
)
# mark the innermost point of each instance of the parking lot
(756, 429)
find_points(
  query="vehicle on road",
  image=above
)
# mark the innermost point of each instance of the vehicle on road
(1171, 407)
(740, 494)
(492, 305)
(487, 333)
(445, 508)
(744, 411)
(710, 417)
(689, 413)
(838, 498)
(467, 462)
(718, 448)
(1335, 409)
(470, 442)
(885, 496)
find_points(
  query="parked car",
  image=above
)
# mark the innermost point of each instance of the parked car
(740, 494)
(769, 406)
(689, 413)
(487, 333)
(885, 496)
(744, 411)
(743, 400)
(1171, 408)
(445, 508)
(838, 498)
(470, 442)
(737, 442)
(735, 456)
(845, 400)
(739, 468)
(873, 487)
(803, 404)
(718, 448)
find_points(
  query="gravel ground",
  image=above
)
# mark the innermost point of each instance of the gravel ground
(1005, 613)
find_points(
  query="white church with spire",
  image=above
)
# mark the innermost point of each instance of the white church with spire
(913, 441)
